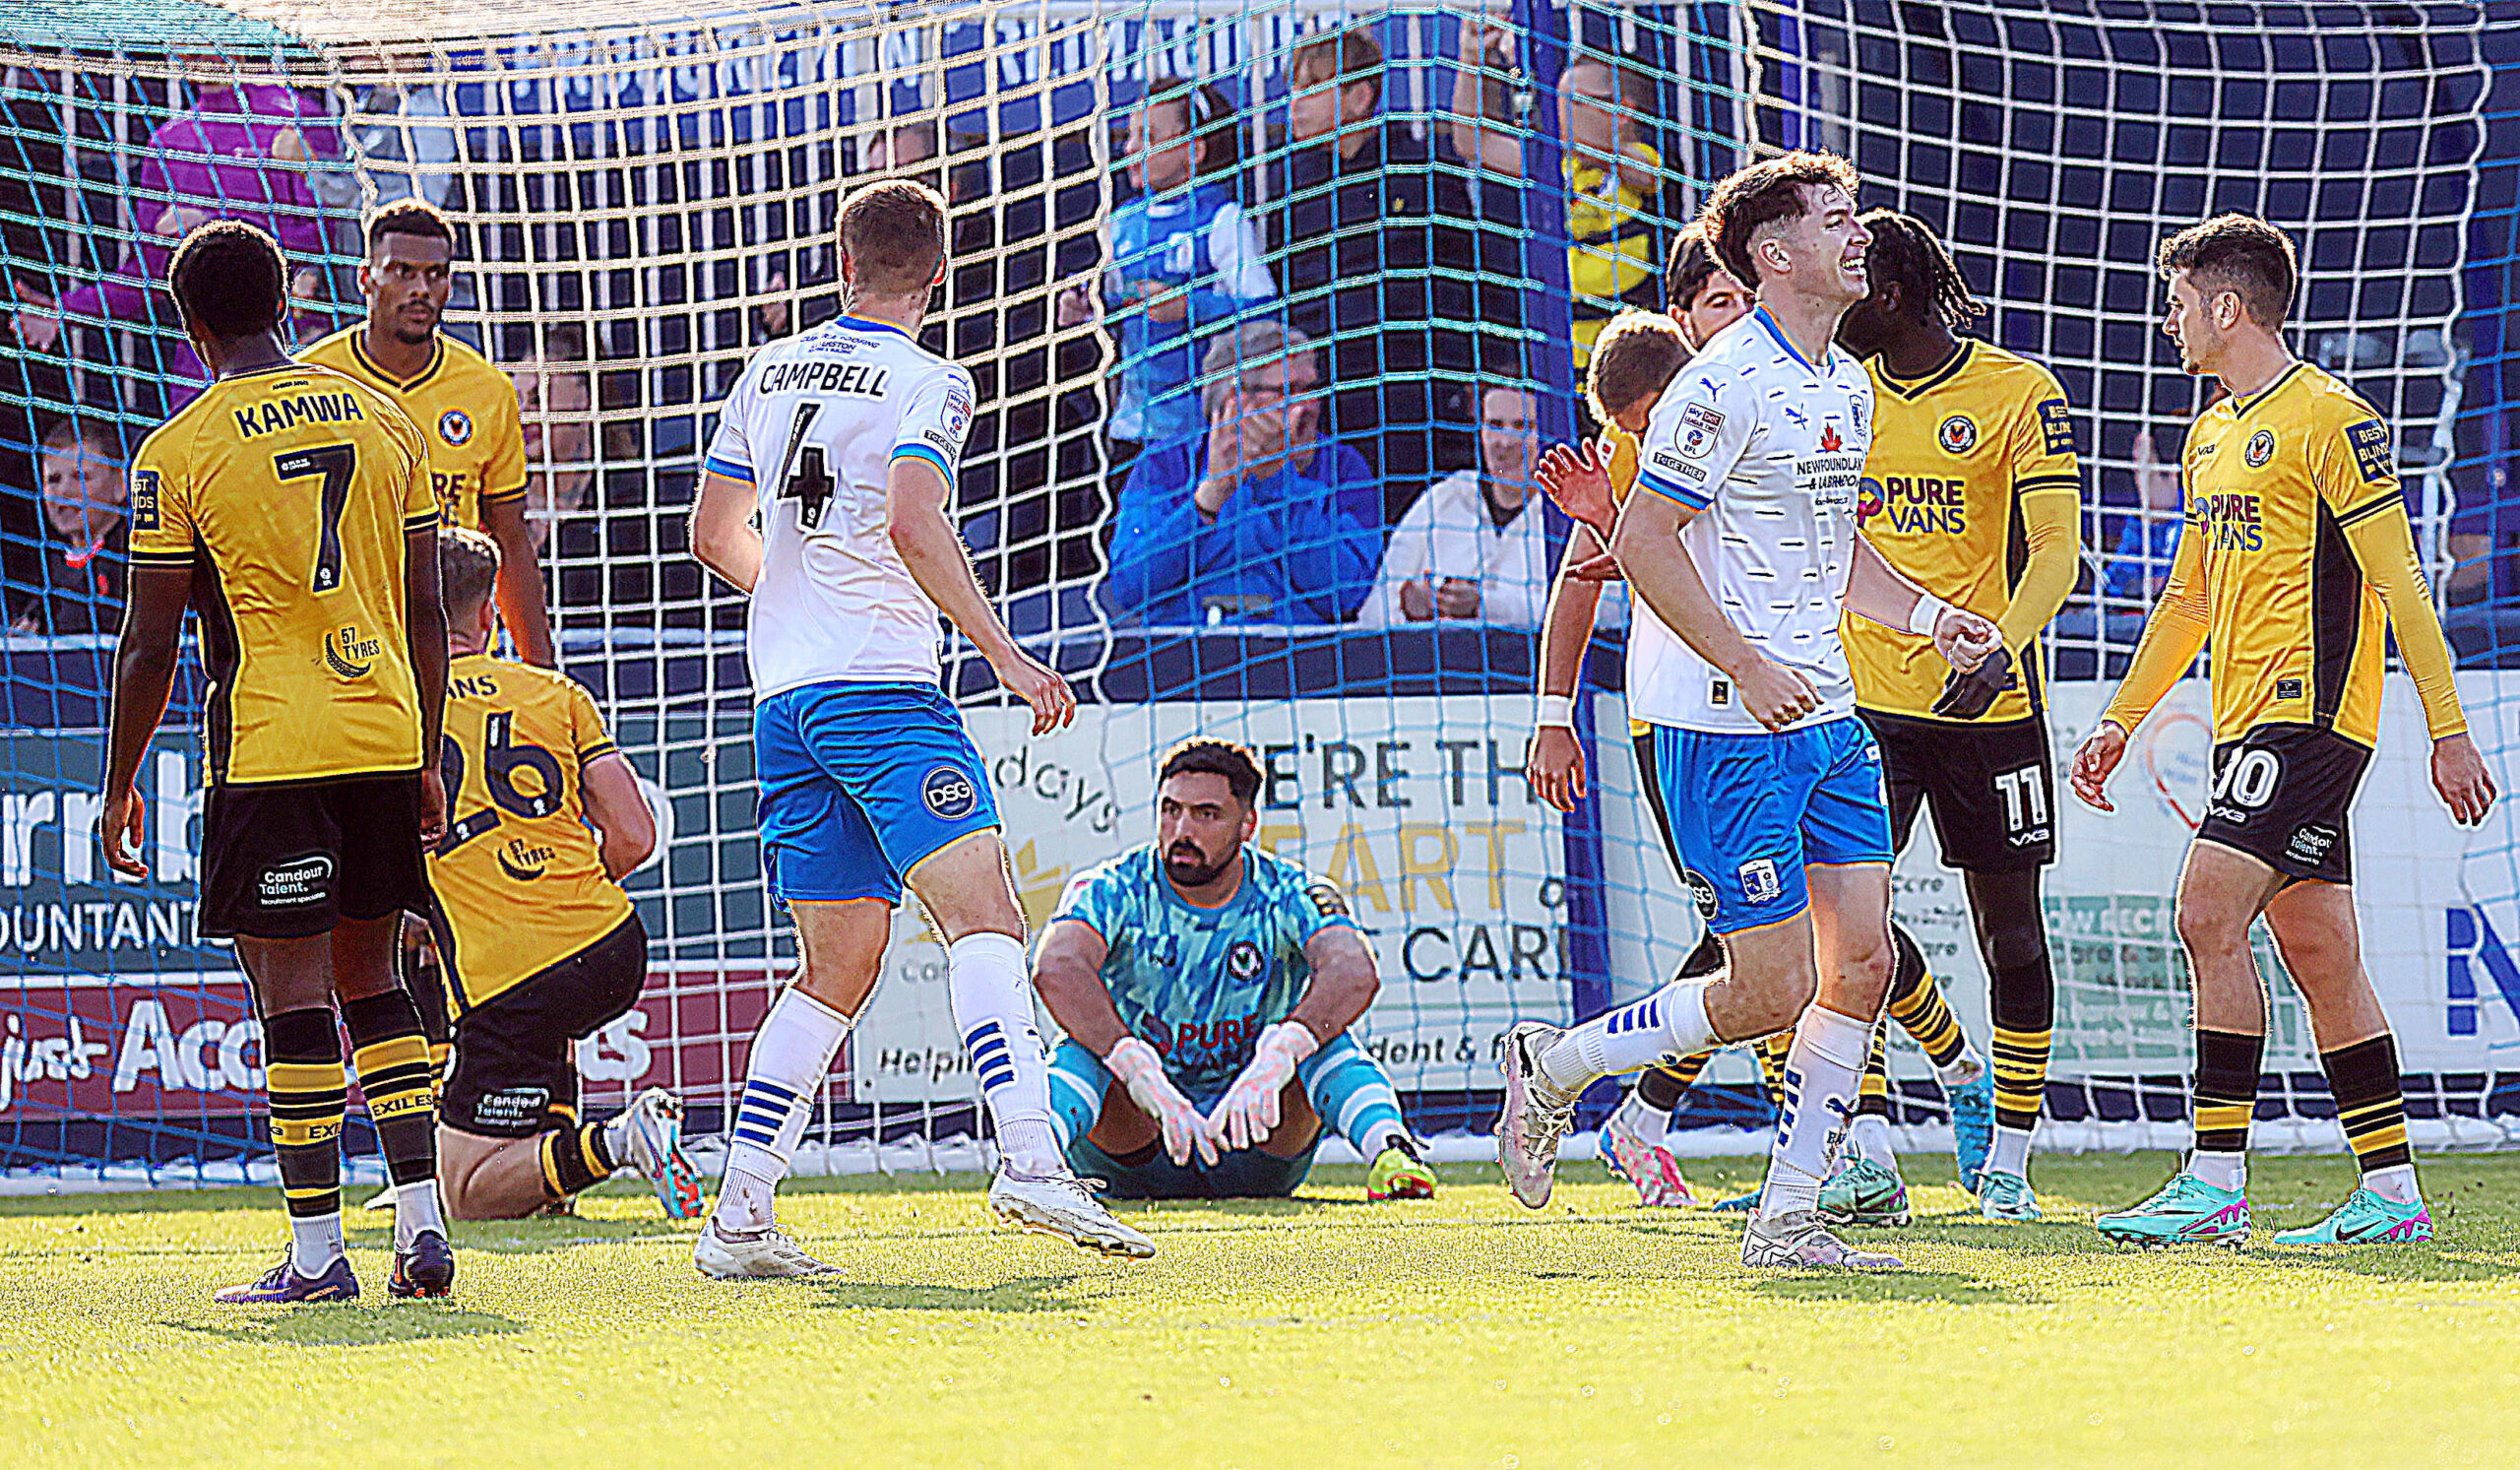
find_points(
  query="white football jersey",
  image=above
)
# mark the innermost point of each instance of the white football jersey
(814, 425)
(1769, 450)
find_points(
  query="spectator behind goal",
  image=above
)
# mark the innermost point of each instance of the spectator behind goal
(1479, 545)
(78, 585)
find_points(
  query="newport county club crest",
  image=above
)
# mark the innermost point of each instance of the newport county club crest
(2261, 448)
(455, 427)
(1243, 961)
(1957, 435)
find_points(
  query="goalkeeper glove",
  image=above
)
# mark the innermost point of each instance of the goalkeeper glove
(1141, 1070)
(1248, 1111)
(1966, 696)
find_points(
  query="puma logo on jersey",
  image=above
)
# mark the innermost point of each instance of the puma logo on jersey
(344, 649)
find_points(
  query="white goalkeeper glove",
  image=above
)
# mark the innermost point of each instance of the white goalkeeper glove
(1141, 1070)
(1249, 1110)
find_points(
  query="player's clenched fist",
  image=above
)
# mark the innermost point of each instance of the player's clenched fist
(2099, 755)
(1250, 1110)
(1141, 1071)
(1964, 639)
(1776, 696)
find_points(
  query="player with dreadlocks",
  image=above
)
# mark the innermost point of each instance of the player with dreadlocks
(1971, 489)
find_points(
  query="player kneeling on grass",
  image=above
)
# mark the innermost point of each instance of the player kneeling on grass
(539, 944)
(1206, 990)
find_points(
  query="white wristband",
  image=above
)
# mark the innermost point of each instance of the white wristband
(1922, 618)
(1556, 712)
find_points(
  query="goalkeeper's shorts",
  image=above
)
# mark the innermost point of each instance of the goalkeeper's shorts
(1247, 1174)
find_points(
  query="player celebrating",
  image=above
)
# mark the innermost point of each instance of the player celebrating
(538, 942)
(292, 506)
(1774, 789)
(845, 441)
(464, 406)
(1971, 490)
(1214, 985)
(2297, 563)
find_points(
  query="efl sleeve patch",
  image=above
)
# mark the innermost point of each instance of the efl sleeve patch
(2056, 424)
(144, 499)
(2369, 441)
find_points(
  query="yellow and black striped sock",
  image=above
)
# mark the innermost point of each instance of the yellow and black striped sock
(575, 1159)
(1916, 1004)
(1662, 1088)
(2364, 1078)
(302, 1067)
(2021, 1076)
(1772, 1050)
(2225, 1091)
(1872, 1092)
(392, 1055)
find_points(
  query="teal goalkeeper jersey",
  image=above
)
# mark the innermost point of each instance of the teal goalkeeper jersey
(1200, 983)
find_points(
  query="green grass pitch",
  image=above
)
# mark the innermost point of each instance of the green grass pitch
(1320, 1332)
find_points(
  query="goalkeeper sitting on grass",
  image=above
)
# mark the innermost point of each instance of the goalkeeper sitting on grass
(1206, 990)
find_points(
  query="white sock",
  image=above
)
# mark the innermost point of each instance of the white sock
(2221, 1170)
(1647, 1122)
(1965, 1069)
(315, 1243)
(2011, 1153)
(616, 1136)
(1822, 1072)
(2395, 1183)
(1666, 1026)
(992, 999)
(1381, 1135)
(791, 1055)
(415, 1209)
(1872, 1139)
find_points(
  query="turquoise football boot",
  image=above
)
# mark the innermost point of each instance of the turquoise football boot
(2006, 1197)
(2186, 1211)
(2366, 1219)
(1973, 1128)
(1864, 1193)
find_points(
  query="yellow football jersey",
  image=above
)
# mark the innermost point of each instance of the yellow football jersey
(520, 879)
(1954, 455)
(288, 492)
(464, 406)
(2299, 634)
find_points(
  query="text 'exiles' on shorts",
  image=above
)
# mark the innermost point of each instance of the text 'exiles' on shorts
(1748, 811)
(859, 783)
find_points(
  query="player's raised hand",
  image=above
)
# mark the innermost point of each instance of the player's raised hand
(120, 826)
(1578, 479)
(1554, 766)
(1964, 639)
(1248, 1111)
(2099, 754)
(1141, 1070)
(1776, 696)
(1039, 685)
(2460, 776)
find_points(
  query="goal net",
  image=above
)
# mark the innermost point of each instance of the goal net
(1399, 248)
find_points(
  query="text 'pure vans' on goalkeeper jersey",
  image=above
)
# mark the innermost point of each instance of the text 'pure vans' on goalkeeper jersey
(1768, 449)
(288, 492)
(520, 879)
(814, 425)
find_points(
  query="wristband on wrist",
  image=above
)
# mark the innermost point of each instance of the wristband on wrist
(1928, 612)
(1556, 712)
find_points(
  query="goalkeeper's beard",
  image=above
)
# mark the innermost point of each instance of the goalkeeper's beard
(1188, 867)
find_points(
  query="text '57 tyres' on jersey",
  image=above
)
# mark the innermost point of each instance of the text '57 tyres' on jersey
(464, 407)
(520, 880)
(288, 493)
(1955, 455)
(814, 425)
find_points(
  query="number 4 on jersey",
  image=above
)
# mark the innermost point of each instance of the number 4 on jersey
(805, 475)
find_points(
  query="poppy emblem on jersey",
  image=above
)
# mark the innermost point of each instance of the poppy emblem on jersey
(1698, 424)
(2261, 448)
(949, 792)
(1243, 961)
(455, 427)
(1958, 435)
(348, 655)
(1830, 442)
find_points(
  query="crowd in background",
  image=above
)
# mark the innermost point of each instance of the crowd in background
(1317, 410)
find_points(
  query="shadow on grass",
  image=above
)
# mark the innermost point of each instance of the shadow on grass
(531, 1236)
(1023, 1293)
(1895, 1286)
(349, 1326)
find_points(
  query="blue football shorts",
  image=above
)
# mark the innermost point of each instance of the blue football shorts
(859, 782)
(1750, 812)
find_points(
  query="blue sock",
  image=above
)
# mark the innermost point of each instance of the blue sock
(1353, 1096)
(1078, 1082)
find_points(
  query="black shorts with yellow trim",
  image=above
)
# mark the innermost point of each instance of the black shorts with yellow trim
(516, 1071)
(290, 859)
(2281, 794)
(1991, 787)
